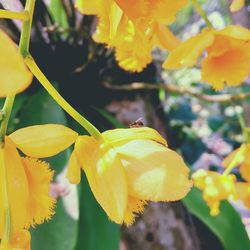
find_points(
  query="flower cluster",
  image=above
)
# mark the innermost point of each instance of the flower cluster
(133, 28)
(125, 168)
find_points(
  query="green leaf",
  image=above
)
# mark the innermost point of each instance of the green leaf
(61, 231)
(111, 119)
(227, 226)
(96, 232)
(58, 13)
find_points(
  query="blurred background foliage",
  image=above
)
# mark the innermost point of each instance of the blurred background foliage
(86, 74)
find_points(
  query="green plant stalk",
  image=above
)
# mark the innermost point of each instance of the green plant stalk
(202, 13)
(243, 126)
(92, 130)
(8, 105)
(7, 213)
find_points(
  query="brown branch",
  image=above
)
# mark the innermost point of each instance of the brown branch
(222, 98)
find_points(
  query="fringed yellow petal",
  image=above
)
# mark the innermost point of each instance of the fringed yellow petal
(21, 240)
(135, 206)
(15, 77)
(236, 5)
(41, 204)
(153, 171)
(43, 140)
(134, 54)
(105, 176)
(243, 192)
(118, 136)
(187, 53)
(165, 38)
(235, 60)
(74, 169)
(17, 188)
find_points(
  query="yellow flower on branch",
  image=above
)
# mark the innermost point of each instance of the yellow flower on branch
(28, 179)
(215, 188)
(240, 157)
(128, 168)
(133, 28)
(237, 5)
(15, 77)
(227, 55)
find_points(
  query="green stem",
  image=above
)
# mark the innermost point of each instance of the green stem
(243, 126)
(8, 104)
(23, 16)
(92, 130)
(202, 13)
(26, 29)
(7, 213)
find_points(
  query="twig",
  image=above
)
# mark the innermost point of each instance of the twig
(221, 98)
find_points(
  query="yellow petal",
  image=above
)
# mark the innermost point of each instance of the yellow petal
(187, 53)
(117, 136)
(135, 207)
(134, 54)
(245, 170)
(153, 171)
(41, 204)
(235, 31)
(165, 38)
(105, 175)
(74, 169)
(15, 77)
(21, 240)
(243, 192)
(134, 9)
(115, 16)
(159, 8)
(17, 188)
(235, 60)
(237, 5)
(43, 140)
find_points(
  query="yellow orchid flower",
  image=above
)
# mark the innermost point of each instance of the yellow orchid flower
(28, 179)
(133, 28)
(215, 187)
(240, 157)
(237, 5)
(227, 50)
(127, 169)
(28, 183)
(15, 77)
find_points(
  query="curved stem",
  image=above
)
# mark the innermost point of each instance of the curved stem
(23, 16)
(8, 104)
(92, 130)
(202, 13)
(7, 213)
